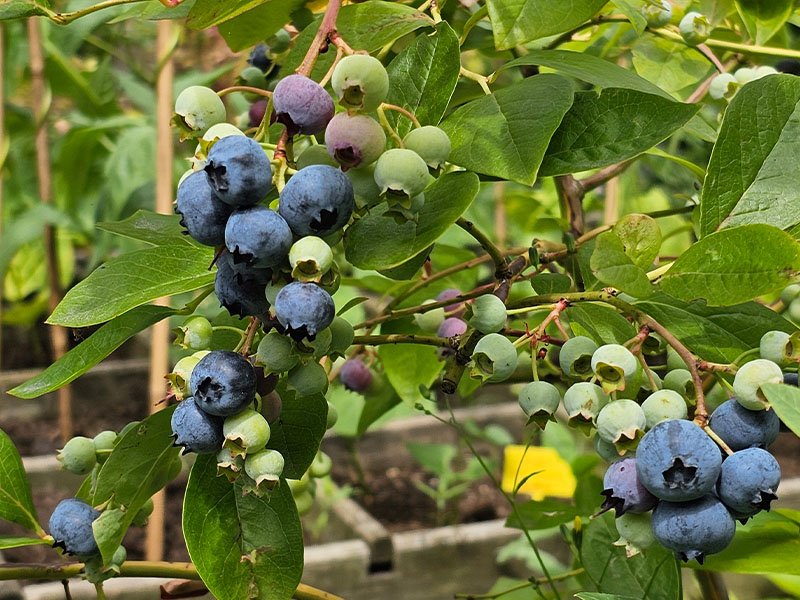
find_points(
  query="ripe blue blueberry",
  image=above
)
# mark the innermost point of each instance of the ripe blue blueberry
(258, 237)
(677, 461)
(239, 171)
(360, 82)
(749, 480)
(304, 309)
(246, 272)
(575, 357)
(317, 200)
(202, 213)
(241, 297)
(196, 430)
(258, 58)
(354, 140)
(355, 375)
(223, 383)
(623, 491)
(693, 529)
(302, 105)
(742, 428)
(71, 527)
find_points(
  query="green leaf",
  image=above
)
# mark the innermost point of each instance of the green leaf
(140, 465)
(601, 323)
(12, 541)
(768, 543)
(716, 10)
(727, 267)
(500, 135)
(617, 124)
(16, 502)
(785, 401)
(377, 242)
(641, 238)
(91, 351)
(764, 18)
(408, 366)
(515, 22)
(406, 270)
(207, 13)
(436, 458)
(28, 227)
(422, 78)
(599, 596)
(150, 227)
(542, 514)
(652, 576)
(551, 283)
(243, 546)
(611, 265)
(717, 334)
(17, 9)
(750, 174)
(155, 10)
(673, 66)
(257, 24)
(634, 15)
(365, 26)
(589, 68)
(131, 280)
(378, 403)
(297, 434)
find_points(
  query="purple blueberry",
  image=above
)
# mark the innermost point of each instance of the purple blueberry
(71, 527)
(693, 529)
(196, 430)
(451, 326)
(239, 171)
(742, 428)
(242, 297)
(258, 237)
(623, 491)
(355, 375)
(202, 213)
(317, 200)
(458, 306)
(304, 309)
(354, 140)
(749, 480)
(302, 105)
(256, 113)
(223, 383)
(677, 461)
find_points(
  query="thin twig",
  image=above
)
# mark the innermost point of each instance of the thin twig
(403, 111)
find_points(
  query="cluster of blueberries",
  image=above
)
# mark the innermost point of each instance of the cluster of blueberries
(669, 481)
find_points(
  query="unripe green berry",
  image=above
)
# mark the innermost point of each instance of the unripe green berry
(195, 333)
(723, 85)
(635, 532)
(304, 502)
(790, 292)
(310, 258)
(360, 82)
(246, 432)
(308, 379)
(775, 346)
(605, 450)
(575, 357)
(494, 358)
(321, 465)
(342, 335)
(140, 519)
(120, 556)
(681, 381)
(583, 402)
(197, 108)
(264, 467)
(78, 455)
(321, 344)
(488, 314)
(229, 466)
(104, 443)
(401, 173)
(613, 364)
(748, 381)
(663, 405)
(181, 374)
(333, 416)
(276, 353)
(674, 360)
(621, 423)
(539, 401)
(429, 321)
(694, 28)
(315, 155)
(431, 143)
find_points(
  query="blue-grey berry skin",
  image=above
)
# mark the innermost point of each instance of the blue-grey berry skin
(239, 171)
(242, 297)
(196, 430)
(318, 200)
(71, 527)
(223, 383)
(258, 237)
(302, 105)
(202, 213)
(742, 428)
(304, 309)
(623, 491)
(749, 480)
(677, 461)
(693, 529)
(246, 272)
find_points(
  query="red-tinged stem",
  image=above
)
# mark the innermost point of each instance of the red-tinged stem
(326, 28)
(244, 88)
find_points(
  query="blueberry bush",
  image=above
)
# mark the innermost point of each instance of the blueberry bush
(420, 199)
